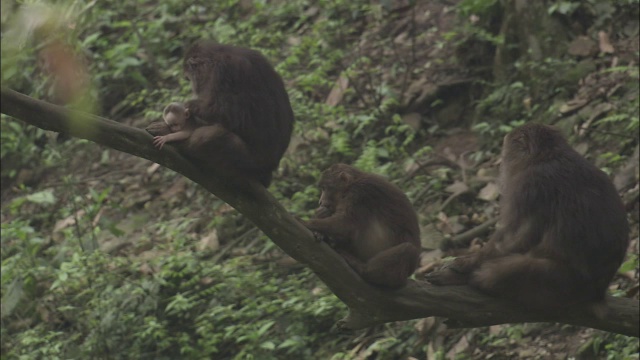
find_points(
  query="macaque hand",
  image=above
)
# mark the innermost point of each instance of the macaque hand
(159, 141)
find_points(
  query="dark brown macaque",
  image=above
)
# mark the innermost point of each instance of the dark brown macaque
(371, 223)
(176, 117)
(563, 234)
(243, 116)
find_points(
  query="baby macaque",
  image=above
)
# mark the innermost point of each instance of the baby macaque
(176, 116)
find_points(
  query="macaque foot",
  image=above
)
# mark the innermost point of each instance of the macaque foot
(447, 276)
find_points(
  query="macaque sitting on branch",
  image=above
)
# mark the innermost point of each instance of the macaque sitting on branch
(243, 118)
(370, 222)
(563, 234)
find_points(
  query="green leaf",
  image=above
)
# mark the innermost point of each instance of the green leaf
(263, 329)
(629, 265)
(11, 297)
(269, 345)
(42, 197)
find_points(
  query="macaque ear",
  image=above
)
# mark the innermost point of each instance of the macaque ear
(531, 146)
(520, 144)
(344, 177)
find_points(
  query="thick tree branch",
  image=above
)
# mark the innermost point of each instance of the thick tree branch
(368, 305)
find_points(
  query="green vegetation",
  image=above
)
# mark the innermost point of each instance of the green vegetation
(105, 256)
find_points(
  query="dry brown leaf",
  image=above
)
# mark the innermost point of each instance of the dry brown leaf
(412, 119)
(573, 105)
(458, 348)
(153, 168)
(209, 242)
(457, 187)
(70, 220)
(604, 43)
(337, 93)
(490, 192)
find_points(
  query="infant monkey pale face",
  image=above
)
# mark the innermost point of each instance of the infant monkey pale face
(175, 115)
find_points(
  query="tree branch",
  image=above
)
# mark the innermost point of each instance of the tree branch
(368, 305)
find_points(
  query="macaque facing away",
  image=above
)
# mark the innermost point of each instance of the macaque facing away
(563, 233)
(244, 118)
(371, 224)
(176, 117)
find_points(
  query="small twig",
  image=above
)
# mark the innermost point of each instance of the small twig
(439, 161)
(463, 240)
(232, 244)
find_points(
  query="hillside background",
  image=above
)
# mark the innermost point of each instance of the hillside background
(109, 256)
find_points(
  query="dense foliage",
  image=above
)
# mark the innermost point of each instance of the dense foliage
(106, 256)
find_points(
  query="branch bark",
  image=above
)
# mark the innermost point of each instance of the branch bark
(368, 305)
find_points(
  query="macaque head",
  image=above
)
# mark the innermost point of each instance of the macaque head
(528, 144)
(175, 115)
(199, 68)
(334, 182)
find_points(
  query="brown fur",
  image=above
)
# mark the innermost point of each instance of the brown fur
(372, 223)
(242, 108)
(564, 229)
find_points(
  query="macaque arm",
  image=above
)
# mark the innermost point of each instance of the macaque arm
(177, 136)
(335, 226)
(159, 141)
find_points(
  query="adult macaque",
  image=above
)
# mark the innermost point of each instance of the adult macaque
(564, 229)
(244, 115)
(371, 223)
(176, 117)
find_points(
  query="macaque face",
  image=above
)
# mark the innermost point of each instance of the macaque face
(193, 80)
(176, 123)
(326, 205)
(199, 73)
(175, 116)
(333, 184)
